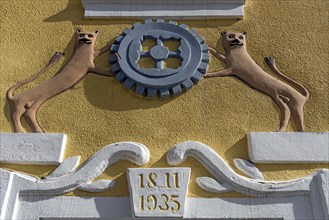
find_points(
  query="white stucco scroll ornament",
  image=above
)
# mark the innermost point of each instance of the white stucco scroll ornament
(313, 189)
(67, 177)
(156, 189)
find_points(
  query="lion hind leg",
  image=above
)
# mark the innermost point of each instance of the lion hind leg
(17, 110)
(31, 119)
(298, 116)
(284, 113)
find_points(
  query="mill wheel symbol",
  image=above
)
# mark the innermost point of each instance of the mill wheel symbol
(159, 53)
(159, 80)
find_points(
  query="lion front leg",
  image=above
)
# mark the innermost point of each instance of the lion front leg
(102, 50)
(221, 73)
(100, 71)
(218, 55)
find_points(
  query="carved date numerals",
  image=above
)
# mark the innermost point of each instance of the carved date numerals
(152, 180)
(159, 201)
(151, 203)
(158, 192)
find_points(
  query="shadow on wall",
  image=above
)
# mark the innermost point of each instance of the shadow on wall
(6, 112)
(74, 12)
(102, 92)
(237, 150)
(109, 94)
(68, 51)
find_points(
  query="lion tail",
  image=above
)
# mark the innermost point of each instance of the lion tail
(55, 58)
(302, 89)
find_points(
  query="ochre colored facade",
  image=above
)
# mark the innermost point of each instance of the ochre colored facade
(219, 112)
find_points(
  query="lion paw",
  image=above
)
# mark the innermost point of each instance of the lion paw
(56, 57)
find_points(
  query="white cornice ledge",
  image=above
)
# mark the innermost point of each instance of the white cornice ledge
(166, 9)
(32, 148)
(289, 147)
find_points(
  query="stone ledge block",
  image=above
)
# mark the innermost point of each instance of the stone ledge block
(288, 147)
(32, 148)
(182, 9)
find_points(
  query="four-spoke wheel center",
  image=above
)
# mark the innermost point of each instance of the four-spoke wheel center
(159, 52)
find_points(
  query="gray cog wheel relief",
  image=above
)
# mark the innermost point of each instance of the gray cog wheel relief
(159, 78)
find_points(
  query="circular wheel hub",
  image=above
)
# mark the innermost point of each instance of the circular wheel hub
(159, 80)
(159, 52)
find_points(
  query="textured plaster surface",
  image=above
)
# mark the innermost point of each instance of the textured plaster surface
(32, 148)
(288, 147)
(218, 112)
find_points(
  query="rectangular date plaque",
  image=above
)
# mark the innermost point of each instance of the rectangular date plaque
(158, 192)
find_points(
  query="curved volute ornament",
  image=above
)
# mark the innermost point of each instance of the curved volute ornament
(226, 179)
(69, 177)
(240, 65)
(80, 64)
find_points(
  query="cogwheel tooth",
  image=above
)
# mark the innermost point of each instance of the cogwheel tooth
(128, 83)
(187, 84)
(126, 31)
(137, 24)
(203, 67)
(120, 76)
(197, 76)
(113, 58)
(118, 39)
(173, 22)
(140, 89)
(164, 93)
(184, 26)
(114, 48)
(148, 21)
(204, 47)
(193, 32)
(205, 57)
(200, 39)
(176, 90)
(115, 68)
(151, 92)
(160, 20)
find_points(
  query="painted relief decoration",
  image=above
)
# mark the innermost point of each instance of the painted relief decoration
(240, 65)
(159, 79)
(127, 53)
(26, 104)
(161, 62)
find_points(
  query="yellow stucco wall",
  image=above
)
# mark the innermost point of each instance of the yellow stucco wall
(218, 112)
